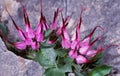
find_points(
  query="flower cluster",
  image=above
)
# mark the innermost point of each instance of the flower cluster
(80, 50)
(56, 50)
(32, 37)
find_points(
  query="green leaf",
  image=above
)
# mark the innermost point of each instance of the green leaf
(98, 56)
(98, 59)
(3, 28)
(61, 52)
(47, 45)
(54, 72)
(79, 73)
(66, 68)
(100, 71)
(47, 33)
(68, 60)
(77, 67)
(46, 57)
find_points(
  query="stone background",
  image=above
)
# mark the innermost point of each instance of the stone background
(98, 12)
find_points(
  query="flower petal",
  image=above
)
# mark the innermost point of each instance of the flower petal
(83, 50)
(21, 34)
(66, 43)
(20, 45)
(54, 24)
(65, 34)
(59, 31)
(28, 41)
(85, 42)
(39, 37)
(35, 45)
(91, 53)
(75, 44)
(29, 33)
(73, 54)
(81, 59)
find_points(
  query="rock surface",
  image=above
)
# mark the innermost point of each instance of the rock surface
(98, 12)
(12, 65)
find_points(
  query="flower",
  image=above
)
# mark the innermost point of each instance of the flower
(81, 49)
(65, 39)
(54, 23)
(81, 59)
(29, 37)
(66, 43)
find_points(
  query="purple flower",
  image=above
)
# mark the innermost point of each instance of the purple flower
(30, 37)
(65, 39)
(81, 59)
(54, 24)
(81, 49)
(73, 53)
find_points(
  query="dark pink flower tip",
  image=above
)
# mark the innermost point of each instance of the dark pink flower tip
(54, 24)
(90, 35)
(81, 59)
(79, 25)
(26, 18)
(99, 37)
(21, 33)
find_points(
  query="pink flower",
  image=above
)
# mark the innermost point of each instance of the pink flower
(65, 39)
(91, 53)
(20, 45)
(76, 38)
(29, 37)
(81, 49)
(73, 53)
(81, 59)
(54, 24)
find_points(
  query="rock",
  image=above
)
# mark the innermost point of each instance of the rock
(12, 65)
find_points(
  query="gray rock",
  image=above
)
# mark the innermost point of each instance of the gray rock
(12, 65)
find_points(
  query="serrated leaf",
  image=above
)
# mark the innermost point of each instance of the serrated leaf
(54, 72)
(46, 57)
(100, 71)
